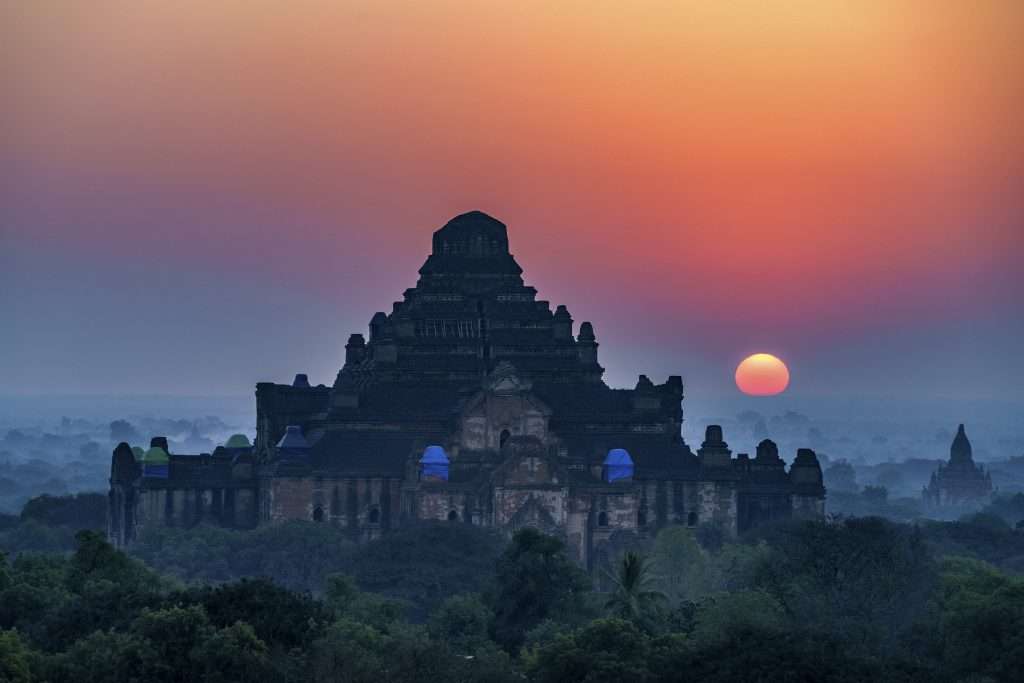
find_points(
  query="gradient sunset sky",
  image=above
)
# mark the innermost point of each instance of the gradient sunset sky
(198, 195)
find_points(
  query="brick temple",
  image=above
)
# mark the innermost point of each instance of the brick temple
(471, 402)
(960, 481)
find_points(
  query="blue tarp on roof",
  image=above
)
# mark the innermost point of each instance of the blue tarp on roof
(434, 464)
(618, 465)
(160, 471)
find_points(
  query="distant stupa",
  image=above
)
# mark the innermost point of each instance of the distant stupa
(960, 481)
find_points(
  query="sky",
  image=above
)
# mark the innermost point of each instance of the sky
(195, 196)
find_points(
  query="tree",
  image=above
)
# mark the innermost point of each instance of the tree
(5, 572)
(234, 654)
(890, 478)
(101, 657)
(462, 621)
(876, 495)
(633, 598)
(534, 580)
(718, 618)
(1010, 508)
(344, 600)
(122, 430)
(354, 652)
(14, 659)
(840, 476)
(80, 511)
(298, 555)
(96, 560)
(36, 589)
(30, 536)
(278, 617)
(426, 563)
(981, 620)
(605, 650)
(982, 536)
(866, 580)
(172, 634)
(748, 653)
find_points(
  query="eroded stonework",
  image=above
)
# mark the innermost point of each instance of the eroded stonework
(472, 362)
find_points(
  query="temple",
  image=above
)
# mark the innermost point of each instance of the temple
(959, 482)
(471, 402)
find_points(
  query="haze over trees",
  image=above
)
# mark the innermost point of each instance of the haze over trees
(850, 600)
(855, 598)
(41, 452)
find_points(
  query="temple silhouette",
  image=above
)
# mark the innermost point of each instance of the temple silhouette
(470, 402)
(959, 481)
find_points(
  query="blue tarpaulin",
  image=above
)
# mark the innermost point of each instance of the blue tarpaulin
(434, 464)
(618, 465)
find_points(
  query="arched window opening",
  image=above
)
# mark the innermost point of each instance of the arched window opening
(602, 519)
(691, 519)
(453, 516)
(374, 516)
(505, 435)
(318, 514)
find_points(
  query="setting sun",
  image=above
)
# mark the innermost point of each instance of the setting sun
(762, 374)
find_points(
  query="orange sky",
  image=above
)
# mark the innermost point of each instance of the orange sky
(824, 165)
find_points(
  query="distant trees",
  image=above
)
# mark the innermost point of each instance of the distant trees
(1010, 508)
(122, 430)
(298, 555)
(463, 622)
(686, 572)
(981, 627)
(14, 662)
(865, 580)
(876, 495)
(78, 511)
(981, 536)
(424, 564)
(841, 476)
(603, 651)
(276, 615)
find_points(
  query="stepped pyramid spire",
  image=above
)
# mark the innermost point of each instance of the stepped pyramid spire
(960, 450)
(960, 481)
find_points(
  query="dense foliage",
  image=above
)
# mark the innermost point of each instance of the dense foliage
(422, 564)
(850, 600)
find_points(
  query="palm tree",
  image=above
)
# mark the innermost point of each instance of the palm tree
(633, 599)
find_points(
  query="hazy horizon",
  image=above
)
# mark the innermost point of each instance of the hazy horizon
(868, 430)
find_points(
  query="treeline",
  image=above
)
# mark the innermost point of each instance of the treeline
(860, 599)
(420, 565)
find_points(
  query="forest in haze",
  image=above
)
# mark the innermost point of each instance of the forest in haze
(852, 599)
(884, 589)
